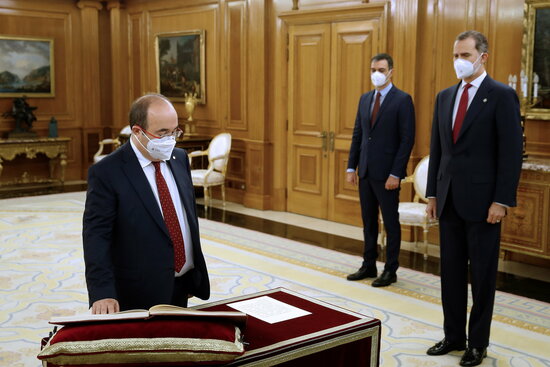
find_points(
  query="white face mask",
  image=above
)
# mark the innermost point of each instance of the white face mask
(465, 68)
(161, 148)
(378, 79)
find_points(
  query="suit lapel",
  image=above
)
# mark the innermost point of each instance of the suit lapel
(478, 103)
(135, 175)
(183, 185)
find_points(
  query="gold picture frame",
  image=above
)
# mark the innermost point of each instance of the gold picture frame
(180, 59)
(535, 51)
(26, 67)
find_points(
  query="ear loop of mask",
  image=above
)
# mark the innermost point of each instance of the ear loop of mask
(139, 141)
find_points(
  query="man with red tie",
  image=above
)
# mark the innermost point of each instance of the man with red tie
(140, 228)
(381, 145)
(474, 170)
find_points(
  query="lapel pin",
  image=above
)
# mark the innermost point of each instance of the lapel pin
(484, 100)
(173, 157)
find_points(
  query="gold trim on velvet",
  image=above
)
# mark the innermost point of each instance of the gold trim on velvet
(143, 350)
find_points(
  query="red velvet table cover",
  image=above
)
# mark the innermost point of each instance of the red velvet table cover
(329, 336)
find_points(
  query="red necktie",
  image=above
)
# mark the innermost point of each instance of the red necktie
(375, 108)
(170, 218)
(461, 112)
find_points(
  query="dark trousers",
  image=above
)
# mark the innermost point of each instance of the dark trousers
(477, 243)
(373, 195)
(182, 288)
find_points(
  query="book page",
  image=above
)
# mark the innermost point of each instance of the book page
(169, 310)
(268, 309)
(89, 317)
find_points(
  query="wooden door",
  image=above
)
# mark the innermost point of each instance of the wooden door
(308, 119)
(352, 44)
(329, 69)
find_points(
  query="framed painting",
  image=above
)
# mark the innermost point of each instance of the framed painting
(26, 67)
(535, 60)
(180, 65)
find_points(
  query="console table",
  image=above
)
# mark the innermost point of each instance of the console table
(53, 148)
(526, 230)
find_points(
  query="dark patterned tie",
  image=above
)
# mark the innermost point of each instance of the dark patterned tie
(170, 218)
(461, 112)
(375, 108)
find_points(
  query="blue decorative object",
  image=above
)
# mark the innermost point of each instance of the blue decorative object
(52, 128)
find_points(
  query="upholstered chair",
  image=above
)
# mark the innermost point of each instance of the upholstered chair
(126, 131)
(414, 213)
(214, 175)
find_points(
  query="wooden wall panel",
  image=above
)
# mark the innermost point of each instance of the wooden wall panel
(135, 56)
(58, 20)
(237, 52)
(246, 67)
(57, 26)
(181, 19)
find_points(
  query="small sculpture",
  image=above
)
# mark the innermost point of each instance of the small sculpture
(24, 117)
(190, 103)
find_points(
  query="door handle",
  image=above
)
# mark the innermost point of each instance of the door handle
(331, 141)
(323, 136)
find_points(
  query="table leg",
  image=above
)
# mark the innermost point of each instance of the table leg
(52, 163)
(63, 163)
(1, 168)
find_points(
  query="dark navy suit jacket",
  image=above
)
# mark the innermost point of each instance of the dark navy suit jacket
(127, 248)
(484, 165)
(384, 148)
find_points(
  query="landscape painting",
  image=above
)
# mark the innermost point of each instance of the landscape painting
(26, 67)
(180, 62)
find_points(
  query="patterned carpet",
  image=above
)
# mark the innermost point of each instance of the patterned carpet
(41, 275)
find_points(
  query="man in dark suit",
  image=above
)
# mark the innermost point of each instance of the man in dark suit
(381, 145)
(475, 164)
(141, 233)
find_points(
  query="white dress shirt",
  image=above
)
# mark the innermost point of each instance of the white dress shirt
(471, 93)
(149, 171)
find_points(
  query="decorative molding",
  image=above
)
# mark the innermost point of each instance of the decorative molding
(89, 4)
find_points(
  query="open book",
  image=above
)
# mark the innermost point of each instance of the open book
(158, 310)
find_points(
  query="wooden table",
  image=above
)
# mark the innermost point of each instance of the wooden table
(329, 336)
(53, 148)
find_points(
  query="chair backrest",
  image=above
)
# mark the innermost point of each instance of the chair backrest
(126, 131)
(220, 146)
(421, 178)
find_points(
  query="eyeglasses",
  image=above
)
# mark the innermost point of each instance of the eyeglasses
(175, 134)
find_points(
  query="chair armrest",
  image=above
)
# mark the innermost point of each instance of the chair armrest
(197, 153)
(408, 179)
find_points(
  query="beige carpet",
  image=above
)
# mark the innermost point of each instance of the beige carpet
(41, 275)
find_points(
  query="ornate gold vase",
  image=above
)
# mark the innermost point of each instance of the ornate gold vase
(190, 103)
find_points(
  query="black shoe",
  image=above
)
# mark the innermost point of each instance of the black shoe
(385, 279)
(363, 272)
(444, 347)
(473, 356)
